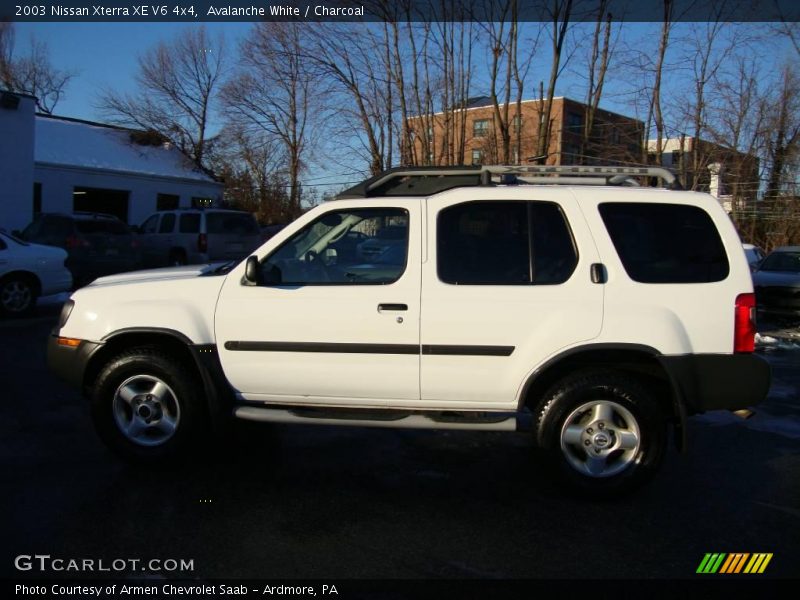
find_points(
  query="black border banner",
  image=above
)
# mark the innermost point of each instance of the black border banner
(67, 11)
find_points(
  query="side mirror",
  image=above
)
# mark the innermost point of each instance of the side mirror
(251, 269)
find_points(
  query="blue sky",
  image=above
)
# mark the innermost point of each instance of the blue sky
(104, 55)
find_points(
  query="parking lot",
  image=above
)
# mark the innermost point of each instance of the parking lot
(300, 502)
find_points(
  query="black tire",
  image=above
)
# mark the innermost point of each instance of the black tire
(177, 258)
(18, 294)
(182, 403)
(608, 410)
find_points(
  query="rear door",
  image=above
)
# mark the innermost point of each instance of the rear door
(507, 285)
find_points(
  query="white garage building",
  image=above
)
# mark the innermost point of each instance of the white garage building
(57, 164)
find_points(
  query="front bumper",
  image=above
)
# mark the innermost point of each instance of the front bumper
(718, 381)
(69, 362)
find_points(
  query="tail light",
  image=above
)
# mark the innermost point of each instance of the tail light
(202, 242)
(744, 329)
(74, 241)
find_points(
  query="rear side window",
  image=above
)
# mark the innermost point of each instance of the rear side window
(167, 223)
(504, 243)
(189, 223)
(666, 243)
(236, 223)
(101, 226)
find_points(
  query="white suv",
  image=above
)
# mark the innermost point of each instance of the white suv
(566, 301)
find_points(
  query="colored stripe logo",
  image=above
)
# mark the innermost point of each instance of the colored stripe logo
(737, 562)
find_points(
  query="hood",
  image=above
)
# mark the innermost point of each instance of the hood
(40, 251)
(776, 278)
(165, 274)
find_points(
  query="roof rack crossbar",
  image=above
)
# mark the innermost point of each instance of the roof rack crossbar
(423, 180)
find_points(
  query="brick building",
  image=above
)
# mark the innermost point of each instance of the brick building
(472, 135)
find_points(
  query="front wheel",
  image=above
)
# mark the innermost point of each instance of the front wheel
(147, 406)
(603, 432)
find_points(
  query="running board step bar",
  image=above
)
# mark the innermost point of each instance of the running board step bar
(464, 420)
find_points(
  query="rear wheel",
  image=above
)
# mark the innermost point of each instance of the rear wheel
(147, 406)
(17, 296)
(602, 432)
(177, 258)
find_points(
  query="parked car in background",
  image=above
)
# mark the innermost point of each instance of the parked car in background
(96, 244)
(28, 271)
(777, 282)
(374, 247)
(196, 235)
(268, 231)
(754, 255)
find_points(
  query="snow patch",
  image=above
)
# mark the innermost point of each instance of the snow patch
(75, 144)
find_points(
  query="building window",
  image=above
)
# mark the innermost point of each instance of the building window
(516, 124)
(477, 156)
(614, 135)
(431, 158)
(430, 133)
(202, 202)
(167, 201)
(97, 200)
(574, 121)
(480, 127)
(37, 198)
(515, 156)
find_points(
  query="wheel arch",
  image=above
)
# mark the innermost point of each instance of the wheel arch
(635, 359)
(201, 359)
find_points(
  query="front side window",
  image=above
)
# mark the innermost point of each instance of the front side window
(665, 243)
(150, 225)
(360, 246)
(504, 243)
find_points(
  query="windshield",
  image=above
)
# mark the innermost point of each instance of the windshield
(782, 261)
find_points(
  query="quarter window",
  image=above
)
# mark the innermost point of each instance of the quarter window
(348, 247)
(504, 243)
(665, 243)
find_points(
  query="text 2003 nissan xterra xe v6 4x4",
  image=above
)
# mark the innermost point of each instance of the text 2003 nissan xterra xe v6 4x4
(566, 301)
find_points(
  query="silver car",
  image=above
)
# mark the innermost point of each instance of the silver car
(196, 236)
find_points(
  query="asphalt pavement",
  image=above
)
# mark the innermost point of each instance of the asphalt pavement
(305, 501)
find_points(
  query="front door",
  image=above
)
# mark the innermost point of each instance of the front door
(328, 324)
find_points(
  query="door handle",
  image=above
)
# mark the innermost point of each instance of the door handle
(392, 307)
(598, 273)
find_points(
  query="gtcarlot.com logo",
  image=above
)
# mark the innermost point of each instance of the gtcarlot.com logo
(46, 562)
(734, 563)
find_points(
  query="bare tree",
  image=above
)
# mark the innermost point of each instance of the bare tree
(31, 73)
(559, 16)
(178, 83)
(273, 92)
(600, 56)
(783, 135)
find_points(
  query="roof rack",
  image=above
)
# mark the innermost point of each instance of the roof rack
(425, 181)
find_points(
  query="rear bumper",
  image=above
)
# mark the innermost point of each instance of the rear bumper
(718, 381)
(69, 363)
